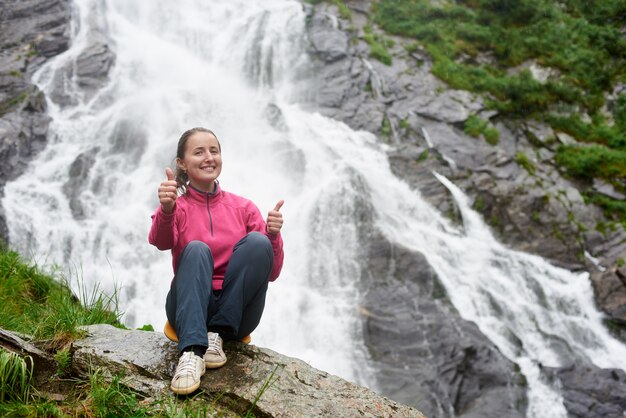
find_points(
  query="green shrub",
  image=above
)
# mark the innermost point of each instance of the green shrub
(592, 161)
(596, 132)
(378, 47)
(492, 135)
(63, 358)
(380, 53)
(474, 126)
(525, 162)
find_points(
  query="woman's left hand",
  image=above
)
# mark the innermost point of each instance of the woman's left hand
(275, 219)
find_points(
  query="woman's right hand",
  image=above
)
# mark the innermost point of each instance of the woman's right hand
(168, 192)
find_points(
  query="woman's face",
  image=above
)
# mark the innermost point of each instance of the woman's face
(202, 160)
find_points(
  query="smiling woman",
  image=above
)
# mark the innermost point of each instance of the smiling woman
(208, 301)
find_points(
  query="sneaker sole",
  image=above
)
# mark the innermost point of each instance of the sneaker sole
(186, 391)
(214, 365)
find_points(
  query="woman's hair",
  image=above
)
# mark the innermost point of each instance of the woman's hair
(181, 176)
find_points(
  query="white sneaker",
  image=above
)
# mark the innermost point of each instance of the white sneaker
(214, 356)
(188, 372)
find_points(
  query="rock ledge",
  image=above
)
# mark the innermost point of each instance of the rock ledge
(148, 359)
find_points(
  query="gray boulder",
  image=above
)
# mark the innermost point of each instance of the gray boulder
(592, 392)
(293, 388)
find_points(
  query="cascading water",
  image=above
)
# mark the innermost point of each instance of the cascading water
(230, 66)
(234, 66)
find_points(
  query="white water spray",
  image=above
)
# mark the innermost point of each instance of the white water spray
(233, 66)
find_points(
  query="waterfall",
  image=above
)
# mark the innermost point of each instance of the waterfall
(236, 67)
(231, 66)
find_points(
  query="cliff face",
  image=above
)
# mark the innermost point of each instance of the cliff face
(530, 205)
(33, 31)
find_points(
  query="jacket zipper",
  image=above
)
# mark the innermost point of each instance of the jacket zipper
(208, 208)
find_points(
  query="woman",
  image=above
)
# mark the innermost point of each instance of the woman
(223, 254)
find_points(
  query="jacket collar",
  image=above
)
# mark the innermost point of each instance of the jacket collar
(201, 197)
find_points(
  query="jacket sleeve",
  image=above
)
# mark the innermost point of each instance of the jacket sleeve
(257, 223)
(163, 233)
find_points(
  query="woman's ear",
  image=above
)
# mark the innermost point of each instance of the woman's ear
(180, 164)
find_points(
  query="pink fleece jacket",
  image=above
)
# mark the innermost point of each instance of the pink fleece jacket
(219, 220)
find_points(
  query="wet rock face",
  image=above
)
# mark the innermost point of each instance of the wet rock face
(591, 392)
(426, 355)
(32, 32)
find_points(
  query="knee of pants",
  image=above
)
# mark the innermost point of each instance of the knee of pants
(257, 241)
(195, 252)
(194, 247)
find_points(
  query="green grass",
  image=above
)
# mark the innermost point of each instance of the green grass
(105, 398)
(15, 376)
(37, 304)
(344, 11)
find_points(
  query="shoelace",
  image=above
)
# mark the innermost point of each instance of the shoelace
(215, 343)
(186, 365)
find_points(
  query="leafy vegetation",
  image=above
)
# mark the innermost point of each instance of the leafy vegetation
(523, 160)
(378, 45)
(593, 161)
(585, 53)
(556, 62)
(475, 126)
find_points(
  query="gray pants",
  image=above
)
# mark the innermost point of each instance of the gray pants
(193, 308)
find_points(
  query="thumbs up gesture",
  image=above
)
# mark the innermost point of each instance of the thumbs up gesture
(275, 219)
(168, 192)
